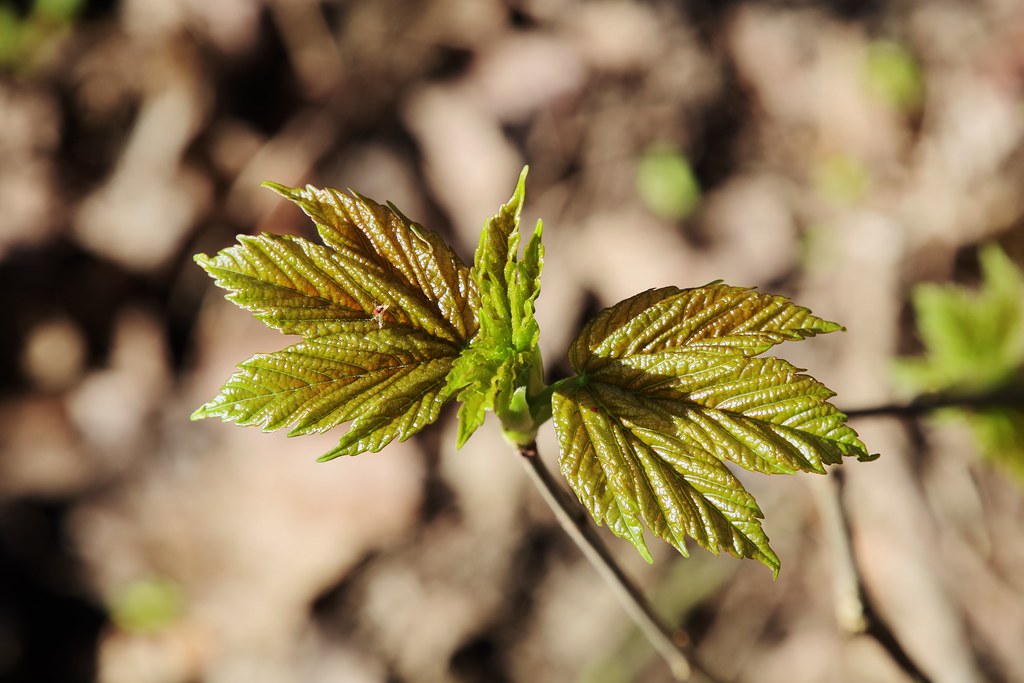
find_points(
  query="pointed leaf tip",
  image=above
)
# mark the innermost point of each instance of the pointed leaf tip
(520, 191)
(290, 193)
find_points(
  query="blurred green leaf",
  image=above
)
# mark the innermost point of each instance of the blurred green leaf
(57, 11)
(668, 390)
(841, 178)
(974, 345)
(667, 184)
(12, 36)
(973, 339)
(147, 605)
(894, 76)
(22, 38)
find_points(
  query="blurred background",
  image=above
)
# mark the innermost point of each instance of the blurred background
(837, 152)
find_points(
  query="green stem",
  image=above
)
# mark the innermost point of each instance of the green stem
(541, 401)
(572, 519)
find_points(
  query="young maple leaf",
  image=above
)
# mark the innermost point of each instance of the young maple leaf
(667, 390)
(384, 307)
(502, 363)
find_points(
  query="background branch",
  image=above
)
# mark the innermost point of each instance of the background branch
(922, 405)
(854, 612)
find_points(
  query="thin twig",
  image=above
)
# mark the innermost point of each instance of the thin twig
(664, 639)
(878, 629)
(1005, 397)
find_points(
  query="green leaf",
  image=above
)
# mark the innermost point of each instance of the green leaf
(714, 317)
(620, 456)
(974, 347)
(667, 390)
(146, 606)
(841, 178)
(894, 75)
(395, 260)
(974, 339)
(502, 357)
(384, 307)
(667, 184)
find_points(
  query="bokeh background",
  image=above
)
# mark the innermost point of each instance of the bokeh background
(836, 152)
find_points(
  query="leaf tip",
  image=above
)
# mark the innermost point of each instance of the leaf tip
(769, 559)
(521, 183)
(330, 455)
(293, 194)
(413, 225)
(515, 204)
(277, 187)
(637, 541)
(465, 431)
(472, 413)
(200, 413)
(280, 188)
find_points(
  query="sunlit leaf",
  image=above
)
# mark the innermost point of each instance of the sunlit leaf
(393, 261)
(668, 389)
(503, 354)
(384, 307)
